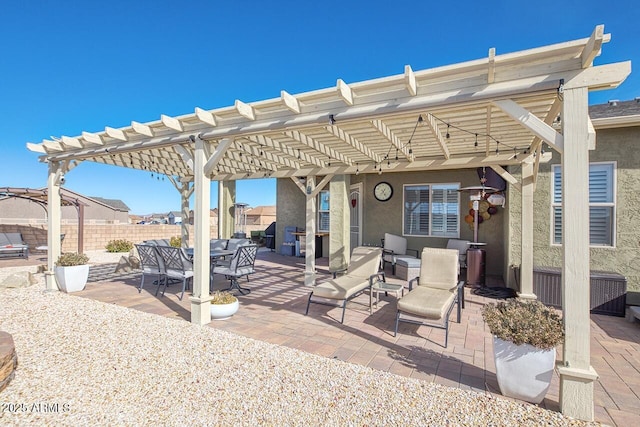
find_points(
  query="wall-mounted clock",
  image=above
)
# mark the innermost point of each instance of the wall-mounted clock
(383, 191)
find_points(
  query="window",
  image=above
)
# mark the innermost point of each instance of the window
(601, 204)
(323, 211)
(431, 210)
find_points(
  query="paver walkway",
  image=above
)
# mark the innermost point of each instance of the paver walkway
(274, 312)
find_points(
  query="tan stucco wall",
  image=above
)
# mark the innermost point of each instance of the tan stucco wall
(621, 146)
(14, 210)
(291, 208)
(381, 217)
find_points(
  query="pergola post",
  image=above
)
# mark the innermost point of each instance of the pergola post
(201, 300)
(53, 223)
(576, 374)
(185, 189)
(526, 228)
(226, 211)
(310, 255)
(185, 193)
(339, 223)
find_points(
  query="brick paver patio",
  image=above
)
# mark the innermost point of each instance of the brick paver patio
(274, 312)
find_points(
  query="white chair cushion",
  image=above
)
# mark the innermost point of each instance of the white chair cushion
(439, 268)
(394, 243)
(431, 303)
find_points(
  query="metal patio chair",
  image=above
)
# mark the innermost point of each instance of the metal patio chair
(177, 266)
(241, 264)
(151, 264)
(436, 291)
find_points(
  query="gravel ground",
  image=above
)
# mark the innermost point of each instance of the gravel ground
(83, 362)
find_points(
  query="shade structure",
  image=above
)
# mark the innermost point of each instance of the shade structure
(491, 112)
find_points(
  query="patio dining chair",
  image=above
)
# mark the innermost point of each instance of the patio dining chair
(177, 266)
(242, 263)
(436, 291)
(151, 264)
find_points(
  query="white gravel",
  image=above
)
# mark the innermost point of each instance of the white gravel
(92, 363)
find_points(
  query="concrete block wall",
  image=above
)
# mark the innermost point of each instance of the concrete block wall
(96, 236)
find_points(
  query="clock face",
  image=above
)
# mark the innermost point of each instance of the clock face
(383, 191)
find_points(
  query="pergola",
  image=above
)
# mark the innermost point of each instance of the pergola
(504, 106)
(41, 197)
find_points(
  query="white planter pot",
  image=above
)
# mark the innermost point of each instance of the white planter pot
(524, 372)
(72, 278)
(224, 311)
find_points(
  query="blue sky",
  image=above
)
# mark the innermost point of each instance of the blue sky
(73, 66)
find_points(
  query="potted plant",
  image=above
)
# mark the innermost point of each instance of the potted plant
(72, 271)
(223, 305)
(525, 334)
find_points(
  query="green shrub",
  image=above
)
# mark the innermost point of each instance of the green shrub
(69, 259)
(176, 241)
(524, 322)
(119, 246)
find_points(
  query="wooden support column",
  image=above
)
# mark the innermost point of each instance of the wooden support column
(53, 223)
(185, 192)
(226, 211)
(185, 188)
(576, 374)
(201, 300)
(339, 223)
(310, 255)
(80, 229)
(526, 228)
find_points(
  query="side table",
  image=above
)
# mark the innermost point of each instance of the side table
(385, 287)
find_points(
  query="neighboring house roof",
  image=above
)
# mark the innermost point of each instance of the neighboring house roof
(116, 204)
(615, 114)
(615, 109)
(175, 213)
(262, 210)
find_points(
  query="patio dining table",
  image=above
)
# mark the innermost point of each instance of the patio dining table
(214, 256)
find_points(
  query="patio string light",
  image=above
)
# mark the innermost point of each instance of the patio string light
(476, 135)
(420, 120)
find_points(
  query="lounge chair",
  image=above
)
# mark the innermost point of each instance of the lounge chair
(362, 273)
(395, 248)
(12, 244)
(436, 291)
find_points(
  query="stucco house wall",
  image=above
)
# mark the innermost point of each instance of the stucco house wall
(291, 208)
(380, 217)
(619, 145)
